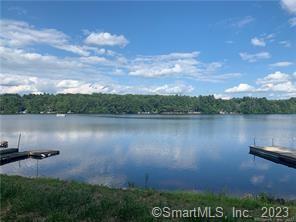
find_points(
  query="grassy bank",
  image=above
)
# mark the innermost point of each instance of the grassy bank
(23, 199)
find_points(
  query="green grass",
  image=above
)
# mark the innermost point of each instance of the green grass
(42, 199)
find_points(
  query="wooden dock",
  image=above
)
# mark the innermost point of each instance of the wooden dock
(12, 157)
(12, 154)
(9, 150)
(40, 154)
(275, 154)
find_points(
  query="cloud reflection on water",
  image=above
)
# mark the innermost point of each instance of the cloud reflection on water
(207, 152)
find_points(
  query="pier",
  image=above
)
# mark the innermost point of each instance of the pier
(9, 155)
(276, 154)
(12, 155)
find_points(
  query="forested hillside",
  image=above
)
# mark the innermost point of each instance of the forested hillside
(133, 104)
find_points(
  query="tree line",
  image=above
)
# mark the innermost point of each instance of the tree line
(98, 103)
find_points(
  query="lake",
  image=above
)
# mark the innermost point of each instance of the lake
(201, 152)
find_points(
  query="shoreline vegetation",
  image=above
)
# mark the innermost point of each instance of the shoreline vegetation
(44, 199)
(98, 103)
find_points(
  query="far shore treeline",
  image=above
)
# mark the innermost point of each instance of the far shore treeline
(140, 104)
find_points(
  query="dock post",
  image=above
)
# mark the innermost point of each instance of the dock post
(19, 141)
(254, 141)
(37, 169)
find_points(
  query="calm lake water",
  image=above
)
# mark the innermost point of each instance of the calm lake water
(203, 153)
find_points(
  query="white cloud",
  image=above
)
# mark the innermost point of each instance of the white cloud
(23, 89)
(18, 61)
(9, 80)
(107, 39)
(258, 42)
(164, 65)
(286, 44)
(236, 22)
(170, 89)
(254, 57)
(285, 87)
(281, 64)
(15, 61)
(19, 34)
(27, 69)
(19, 84)
(276, 77)
(269, 37)
(240, 23)
(278, 82)
(263, 40)
(156, 71)
(289, 5)
(30, 84)
(243, 87)
(68, 83)
(222, 96)
(88, 88)
(167, 89)
(74, 49)
(177, 65)
(219, 78)
(283, 84)
(93, 59)
(292, 21)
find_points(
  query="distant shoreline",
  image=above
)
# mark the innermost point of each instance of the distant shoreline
(141, 104)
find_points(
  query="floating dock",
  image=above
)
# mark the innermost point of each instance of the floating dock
(275, 154)
(9, 150)
(40, 154)
(11, 155)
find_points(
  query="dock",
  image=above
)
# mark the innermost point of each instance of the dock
(40, 154)
(276, 154)
(9, 155)
(9, 150)
(12, 155)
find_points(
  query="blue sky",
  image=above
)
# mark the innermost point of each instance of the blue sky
(225, 48)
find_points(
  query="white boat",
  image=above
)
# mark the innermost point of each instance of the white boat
(61, 115)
